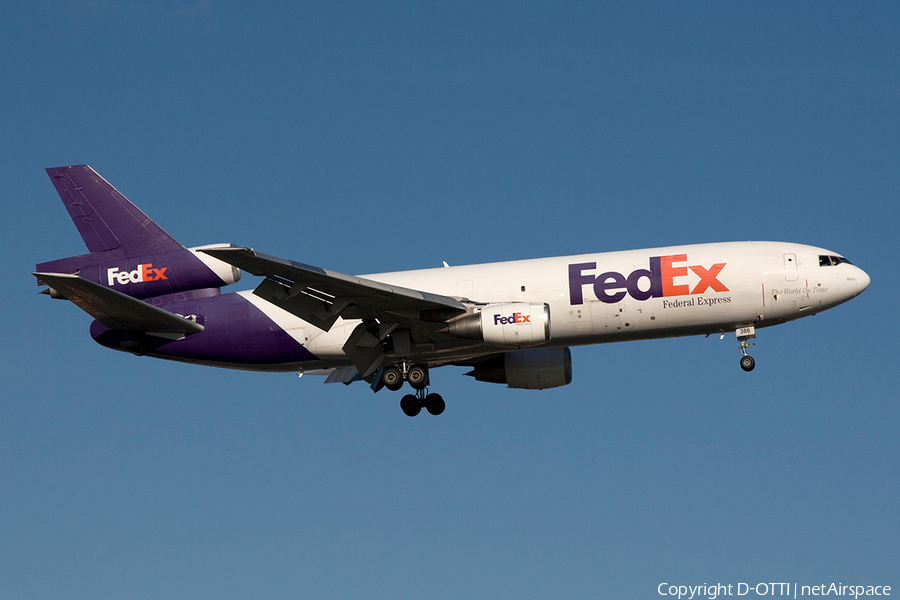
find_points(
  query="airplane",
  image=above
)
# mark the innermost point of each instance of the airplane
(511, 322)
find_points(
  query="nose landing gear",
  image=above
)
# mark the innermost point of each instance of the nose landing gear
(744, 334)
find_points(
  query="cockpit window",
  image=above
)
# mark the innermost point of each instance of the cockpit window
(828, 261)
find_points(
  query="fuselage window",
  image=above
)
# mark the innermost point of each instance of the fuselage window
(828, 261)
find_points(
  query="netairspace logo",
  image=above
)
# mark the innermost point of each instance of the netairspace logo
(792, 590)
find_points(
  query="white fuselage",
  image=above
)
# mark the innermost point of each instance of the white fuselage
(616, 296)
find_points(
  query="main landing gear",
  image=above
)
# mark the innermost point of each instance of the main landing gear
(412, 404)
(744, 334)
(417, 377)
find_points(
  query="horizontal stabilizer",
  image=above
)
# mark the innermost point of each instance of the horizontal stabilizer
(114, 309)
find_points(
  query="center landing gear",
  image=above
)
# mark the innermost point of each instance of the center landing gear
(412, 403)
(744, 334)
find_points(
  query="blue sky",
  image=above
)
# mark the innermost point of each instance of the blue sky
(366, 137)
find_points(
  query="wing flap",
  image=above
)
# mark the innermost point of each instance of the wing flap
(116, 310)
(319, 296)
(345, 375)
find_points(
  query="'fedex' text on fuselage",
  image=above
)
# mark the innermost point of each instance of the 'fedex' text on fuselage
(612, 286)
(144, 272)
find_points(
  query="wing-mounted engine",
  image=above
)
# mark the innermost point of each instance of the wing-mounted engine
(533, 369)
(511, 325)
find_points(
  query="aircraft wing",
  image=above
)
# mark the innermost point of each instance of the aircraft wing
(319, 296)
(116, 310)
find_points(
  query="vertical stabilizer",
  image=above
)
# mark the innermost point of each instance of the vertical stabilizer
(129, 252)
(105, 218)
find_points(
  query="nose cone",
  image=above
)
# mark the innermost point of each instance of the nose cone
(862, 281)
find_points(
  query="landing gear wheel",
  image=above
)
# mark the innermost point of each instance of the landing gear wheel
(410, 405)
(417, 376)
(434, 404)
(392, 378)
(744, 334)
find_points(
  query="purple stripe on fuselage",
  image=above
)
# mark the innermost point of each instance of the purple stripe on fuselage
(236, 332)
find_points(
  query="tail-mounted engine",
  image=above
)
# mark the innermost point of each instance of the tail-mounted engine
(148, 275)
(512, 325)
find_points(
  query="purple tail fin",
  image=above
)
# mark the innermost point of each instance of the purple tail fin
(105, 218)
(128, 251)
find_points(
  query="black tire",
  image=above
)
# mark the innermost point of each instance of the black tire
(417, 376)
(410, 405)
(747, 363)
(392, 379)
(434, 404)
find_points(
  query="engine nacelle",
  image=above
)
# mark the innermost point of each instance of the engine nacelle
(226, 272)
(511, 325)
(147, 275)
(535, 369)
